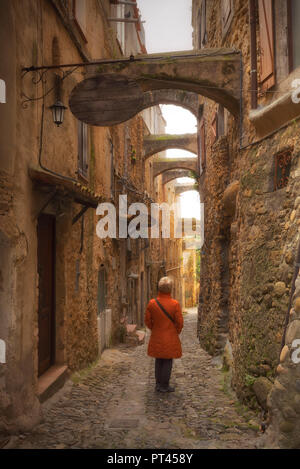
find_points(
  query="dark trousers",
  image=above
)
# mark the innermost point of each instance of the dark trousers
(163, 368)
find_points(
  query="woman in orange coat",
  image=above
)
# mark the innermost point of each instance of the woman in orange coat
(164, 318)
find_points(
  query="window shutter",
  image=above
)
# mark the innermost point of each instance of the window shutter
(83, 149)
(101, 290)
(79, 8)
(214, 126)
(226, 11)
(227, 15)
(266, 29)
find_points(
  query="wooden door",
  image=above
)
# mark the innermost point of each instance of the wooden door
(46, 307)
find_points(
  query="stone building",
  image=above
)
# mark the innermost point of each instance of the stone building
(250, 185)
(190, 271)
(65, 293)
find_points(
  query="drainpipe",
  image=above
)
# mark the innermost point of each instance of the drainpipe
(253, 53)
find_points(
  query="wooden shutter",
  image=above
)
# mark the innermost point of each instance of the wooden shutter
(227, 15)
(226, 11)
(214, 126)
(266, 29)
(83, 149)
(79, 13)
(101, 290)
(293, 34)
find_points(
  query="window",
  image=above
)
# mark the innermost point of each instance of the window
(2, 92)
(79, 13)
(214, 126)
(202, 25)
(227, 15)
(2, 351)
(83, 149)
(294, 33)
(101, 304)
(283, 161)
(266, 31)
(118, 11)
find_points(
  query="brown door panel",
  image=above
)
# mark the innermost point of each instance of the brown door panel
(46, 271)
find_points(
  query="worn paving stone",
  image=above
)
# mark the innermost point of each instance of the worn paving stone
(115, 405)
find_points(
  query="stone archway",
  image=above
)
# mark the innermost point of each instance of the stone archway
(182, 188)
(175, 174)
(186, 99)
(113, 93)
(155, 143)
(168, 164)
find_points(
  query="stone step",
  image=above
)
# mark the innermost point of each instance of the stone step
(51, 381)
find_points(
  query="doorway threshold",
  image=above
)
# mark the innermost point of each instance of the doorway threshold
(51, 381)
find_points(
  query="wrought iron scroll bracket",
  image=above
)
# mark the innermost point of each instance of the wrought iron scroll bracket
(40, 77)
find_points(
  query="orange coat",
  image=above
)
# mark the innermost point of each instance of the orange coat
(164, 341)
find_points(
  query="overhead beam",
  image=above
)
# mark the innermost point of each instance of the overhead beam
(113, 93)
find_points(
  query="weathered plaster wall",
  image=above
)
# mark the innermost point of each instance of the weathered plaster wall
(29, 34)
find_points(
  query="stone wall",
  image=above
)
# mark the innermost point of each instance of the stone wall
(251, 229)
(267, 229)
(213, 307)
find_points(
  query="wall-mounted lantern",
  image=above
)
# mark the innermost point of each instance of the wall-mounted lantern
(58, 110)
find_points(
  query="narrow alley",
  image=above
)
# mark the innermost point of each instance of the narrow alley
(149, 150)
(115, 405)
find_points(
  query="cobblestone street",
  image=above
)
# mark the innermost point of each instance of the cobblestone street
(114, 405)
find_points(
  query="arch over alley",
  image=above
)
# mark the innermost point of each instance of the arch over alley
(155, 143)
(182, 188)
(186, 99)
(113, 93)
(172, 174)
(167, 164)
